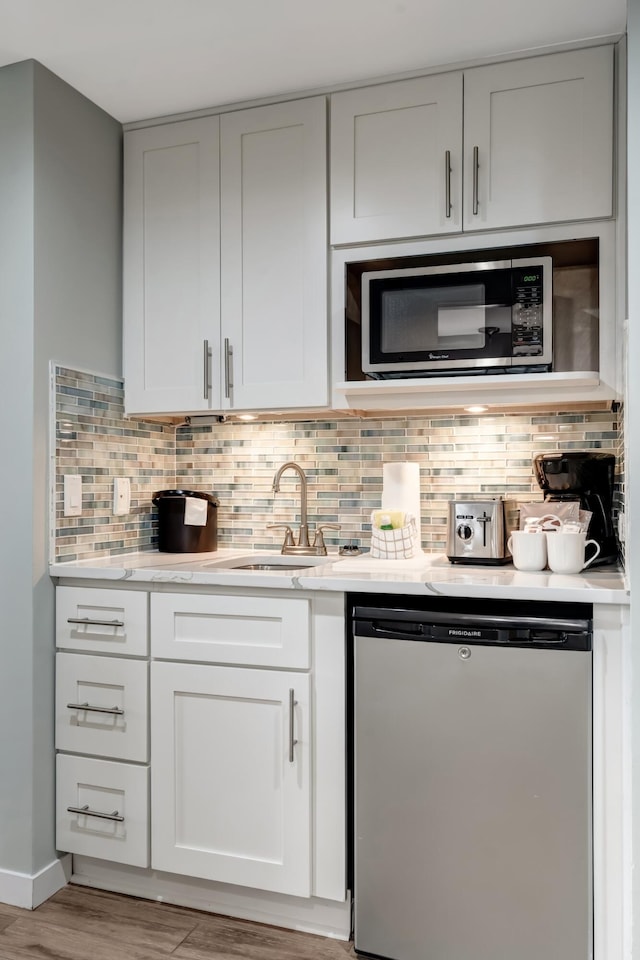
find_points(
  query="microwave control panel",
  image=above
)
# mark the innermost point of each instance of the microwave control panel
(526, 328)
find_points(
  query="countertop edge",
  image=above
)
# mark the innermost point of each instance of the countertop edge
(436, 578)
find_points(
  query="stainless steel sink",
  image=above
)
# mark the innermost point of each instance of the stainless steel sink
(272, 566)
(268, 562)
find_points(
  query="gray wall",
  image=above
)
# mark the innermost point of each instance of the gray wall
(60, 249)
(633, 439)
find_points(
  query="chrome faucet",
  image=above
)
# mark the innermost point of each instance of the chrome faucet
(302, 547)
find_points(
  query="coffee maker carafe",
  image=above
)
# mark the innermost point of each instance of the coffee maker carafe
(589, 478)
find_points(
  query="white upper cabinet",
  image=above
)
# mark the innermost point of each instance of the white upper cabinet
(274, 255)
(396, 160)
(254, 185)
(538, 137)
(171, 282)
(538, 148)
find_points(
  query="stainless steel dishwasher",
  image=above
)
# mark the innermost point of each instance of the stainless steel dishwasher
(472, 779)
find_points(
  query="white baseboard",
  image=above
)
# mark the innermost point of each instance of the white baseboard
(323, 917)
(29, 891)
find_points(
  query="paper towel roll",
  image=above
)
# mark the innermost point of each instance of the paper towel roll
(401, 489)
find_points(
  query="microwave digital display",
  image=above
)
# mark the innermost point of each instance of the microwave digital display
(463, 317)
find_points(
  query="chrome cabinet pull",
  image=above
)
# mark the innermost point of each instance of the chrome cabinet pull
(116, 711)
(87, 621)
(476, 166)
(86, 812)
(447, 183)
(207, 369)
(228, 368)
(292, 740)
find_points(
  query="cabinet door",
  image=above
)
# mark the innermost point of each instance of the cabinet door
(396, 160)
(172, 267)
(538, 137)
(274, 255)
(230, 775)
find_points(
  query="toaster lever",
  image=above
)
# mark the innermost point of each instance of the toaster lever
(484, 520)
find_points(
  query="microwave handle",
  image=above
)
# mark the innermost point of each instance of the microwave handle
(447, 183)
(476, 165)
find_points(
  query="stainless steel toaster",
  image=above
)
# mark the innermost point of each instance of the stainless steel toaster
(477, 532)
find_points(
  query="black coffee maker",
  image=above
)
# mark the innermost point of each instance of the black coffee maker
(589, 478)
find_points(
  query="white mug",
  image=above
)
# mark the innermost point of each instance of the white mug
(566, 551)
(528, 550)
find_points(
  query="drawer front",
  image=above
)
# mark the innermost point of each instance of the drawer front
(115, 825)
(102, 621)
(258, 631)
(101, 706)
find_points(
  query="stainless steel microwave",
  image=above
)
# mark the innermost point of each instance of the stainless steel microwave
(458, 318)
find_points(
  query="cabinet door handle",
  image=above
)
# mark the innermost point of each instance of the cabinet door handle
(228, 368)
(476, 167)
(86, 812)
(88, 622)
(447, 183)
(207, 369)
(292, 740)
(115, 711)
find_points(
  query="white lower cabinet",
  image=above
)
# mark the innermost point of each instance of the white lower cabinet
(231, 775)
(240, 709)
(102, 711)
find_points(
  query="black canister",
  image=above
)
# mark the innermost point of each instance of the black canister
(176, 536)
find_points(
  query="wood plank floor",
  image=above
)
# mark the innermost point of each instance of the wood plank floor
(80, 923)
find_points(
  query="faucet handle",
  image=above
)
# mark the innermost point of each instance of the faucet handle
(288, 533)
(318, 540)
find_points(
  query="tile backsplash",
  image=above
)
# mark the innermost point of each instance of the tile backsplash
(93, 439)
(486, 455)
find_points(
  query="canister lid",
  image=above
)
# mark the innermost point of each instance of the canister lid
(181, 494)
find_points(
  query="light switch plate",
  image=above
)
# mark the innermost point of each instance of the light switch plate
(121, 496)
(72, 495)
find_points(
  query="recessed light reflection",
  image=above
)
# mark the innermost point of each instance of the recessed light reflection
(247, 416)
(476, 408)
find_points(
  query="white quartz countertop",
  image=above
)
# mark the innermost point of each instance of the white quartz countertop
(429, 574)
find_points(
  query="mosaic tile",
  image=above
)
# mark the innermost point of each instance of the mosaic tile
(459, 455)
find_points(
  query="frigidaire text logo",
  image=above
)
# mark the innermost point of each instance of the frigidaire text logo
(438, 356)
(465, 633)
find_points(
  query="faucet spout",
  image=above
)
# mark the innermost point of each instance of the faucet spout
(303, 538)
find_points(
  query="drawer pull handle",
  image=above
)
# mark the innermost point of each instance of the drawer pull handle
(96, 623)
(116, 711)
(86, 812)
(292, 741)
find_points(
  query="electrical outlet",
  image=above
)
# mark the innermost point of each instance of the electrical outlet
(72, 495)
(121, 496)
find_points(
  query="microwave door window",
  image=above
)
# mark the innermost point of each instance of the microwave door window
(408, 322)
(456, 320)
